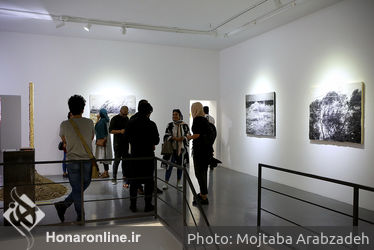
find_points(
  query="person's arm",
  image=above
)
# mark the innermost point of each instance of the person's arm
(112, 125)
(193, 137)
(117, 131)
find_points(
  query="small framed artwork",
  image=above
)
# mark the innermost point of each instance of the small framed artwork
(260, 114)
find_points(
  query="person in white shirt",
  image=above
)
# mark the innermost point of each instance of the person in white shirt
(207, 116)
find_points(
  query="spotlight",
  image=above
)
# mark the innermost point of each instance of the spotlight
(124, 30)
(60, 24)
(87, 27)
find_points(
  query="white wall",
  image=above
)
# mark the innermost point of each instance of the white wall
(168, 77)
(332, 45)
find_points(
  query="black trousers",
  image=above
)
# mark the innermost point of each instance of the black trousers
(148, 190)
(141, 172)
(201, 172)
(120, 152)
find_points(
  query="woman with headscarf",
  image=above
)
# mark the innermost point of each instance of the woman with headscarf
(103, 142)
(177, 132)
(201, 151)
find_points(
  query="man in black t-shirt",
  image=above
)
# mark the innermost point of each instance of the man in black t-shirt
(117, 127)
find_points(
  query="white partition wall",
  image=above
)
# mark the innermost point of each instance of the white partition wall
(10, 123)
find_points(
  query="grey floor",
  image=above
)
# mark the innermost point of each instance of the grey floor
(232, 197)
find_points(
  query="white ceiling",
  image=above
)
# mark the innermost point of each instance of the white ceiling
(202, 15)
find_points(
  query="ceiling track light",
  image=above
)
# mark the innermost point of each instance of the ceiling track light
(262, 18)
(87, 27)
(212, 31)
(124, 30)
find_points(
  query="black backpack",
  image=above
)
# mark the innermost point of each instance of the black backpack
(212, 134)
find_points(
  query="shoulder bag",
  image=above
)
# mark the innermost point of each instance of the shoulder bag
(95, 168)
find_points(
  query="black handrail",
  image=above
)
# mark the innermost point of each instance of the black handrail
(186, 180)
(356, 188)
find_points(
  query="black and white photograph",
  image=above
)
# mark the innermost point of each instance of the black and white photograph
(260, 114)
(337, 115)
(112, 104)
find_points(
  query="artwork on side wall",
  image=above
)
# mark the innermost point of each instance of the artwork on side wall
(337, 115)
(260, 114)
(112, 104)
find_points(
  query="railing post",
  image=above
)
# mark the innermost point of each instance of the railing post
(259, 187)
(83, 219)
(184, 198)
(155, 185)
(355, 205)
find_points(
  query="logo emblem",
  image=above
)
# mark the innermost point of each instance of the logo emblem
(24, 215)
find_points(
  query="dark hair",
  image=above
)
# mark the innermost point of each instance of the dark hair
(142, 101)
(145, 108)
(69, 114)
(179, 112)
(76, 104)
(206, 109)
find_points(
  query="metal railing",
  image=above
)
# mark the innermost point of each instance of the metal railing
(356, 189)
(187, 185)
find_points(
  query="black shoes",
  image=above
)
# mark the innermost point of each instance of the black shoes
(61, 209)
(200, 200)
(133, 208)
(149, 208)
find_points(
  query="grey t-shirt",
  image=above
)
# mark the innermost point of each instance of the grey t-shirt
(74, 147)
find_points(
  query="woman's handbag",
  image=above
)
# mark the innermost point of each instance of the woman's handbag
(167, 148)
(101, 142)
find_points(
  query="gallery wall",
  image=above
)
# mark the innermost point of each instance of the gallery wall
(169, 77)
(330, 47)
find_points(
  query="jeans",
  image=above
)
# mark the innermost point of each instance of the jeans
(75, 197)
(177, 160)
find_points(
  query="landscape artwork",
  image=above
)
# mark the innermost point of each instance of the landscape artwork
(260, 114)
(112, 104)
(337, 115)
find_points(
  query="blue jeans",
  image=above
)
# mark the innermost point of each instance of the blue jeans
(177, 160)
(75, 197)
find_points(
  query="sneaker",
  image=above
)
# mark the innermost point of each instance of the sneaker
(179, 184)
(149, 208)
(165, 187)
(61, 209)
(114, 182)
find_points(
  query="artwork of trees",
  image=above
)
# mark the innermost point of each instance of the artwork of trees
(260, 114)
(112, 104)
(337, 116)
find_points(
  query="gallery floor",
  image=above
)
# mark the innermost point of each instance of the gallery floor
(233, 202)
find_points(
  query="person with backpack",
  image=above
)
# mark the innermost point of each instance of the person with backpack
(213, 163)
(202, 150)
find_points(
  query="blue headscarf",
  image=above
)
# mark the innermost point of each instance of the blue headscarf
(101, 128)
(104, 115)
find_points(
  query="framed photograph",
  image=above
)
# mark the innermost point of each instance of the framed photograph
(260, 114)
(337, 114)
(112, 104)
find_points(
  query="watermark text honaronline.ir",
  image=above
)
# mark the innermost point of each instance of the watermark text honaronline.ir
(105, 237)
